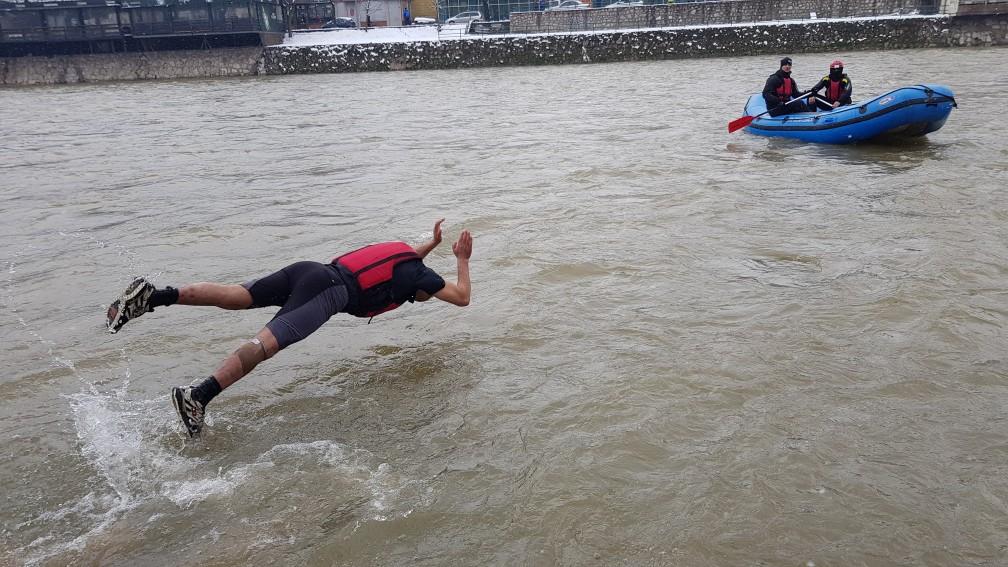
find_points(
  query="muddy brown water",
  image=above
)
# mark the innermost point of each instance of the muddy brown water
(684, 348)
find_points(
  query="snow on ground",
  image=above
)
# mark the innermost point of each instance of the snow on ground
(376, 35)
(452, 32)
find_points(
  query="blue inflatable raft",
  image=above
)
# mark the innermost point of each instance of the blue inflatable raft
(902, 113)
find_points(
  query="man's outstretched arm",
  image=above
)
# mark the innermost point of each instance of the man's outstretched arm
(426, 247)
(459, 293)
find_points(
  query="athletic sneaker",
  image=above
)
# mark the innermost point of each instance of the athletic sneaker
(134, 302)
(189, 409)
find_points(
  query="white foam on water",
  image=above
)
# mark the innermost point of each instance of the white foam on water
(383, 493)
(323, 451)
(390, 496)
(49, 546)
(394, 496)
(186, 493)
(124, 442)
(120, 438)
(114, 436)
(84, 506)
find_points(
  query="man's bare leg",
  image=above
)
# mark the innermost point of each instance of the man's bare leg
(225, 296)
(248, 356)
(191, 401)
(141, 297)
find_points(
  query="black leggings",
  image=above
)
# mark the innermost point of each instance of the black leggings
(792, 108)
(308, 293)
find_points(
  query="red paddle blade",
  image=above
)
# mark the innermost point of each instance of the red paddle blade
(739, 123)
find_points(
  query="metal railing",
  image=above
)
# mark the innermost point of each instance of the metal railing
(189, 27)
(113, 22)
(708, 14)
(68, 33)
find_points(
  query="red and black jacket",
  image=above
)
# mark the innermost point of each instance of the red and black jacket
(372, 268)
(779, 88)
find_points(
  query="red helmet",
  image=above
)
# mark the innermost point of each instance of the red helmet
(836, 64)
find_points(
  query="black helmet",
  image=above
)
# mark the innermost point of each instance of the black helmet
(785, 61)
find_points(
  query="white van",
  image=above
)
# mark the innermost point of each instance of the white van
(465, 18)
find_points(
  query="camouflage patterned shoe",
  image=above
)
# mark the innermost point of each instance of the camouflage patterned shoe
(190, 409)
(134, 302)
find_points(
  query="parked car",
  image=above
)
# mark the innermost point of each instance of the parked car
(568, 5)
(340, 23)
(422, 21)
(465, 18)
(625, 3)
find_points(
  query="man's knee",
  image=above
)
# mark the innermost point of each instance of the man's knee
(251, 354)
(238, 297)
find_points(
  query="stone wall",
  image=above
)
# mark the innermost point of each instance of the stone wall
(62, 69)
(895, 33)
(976, 31)
(710, 13)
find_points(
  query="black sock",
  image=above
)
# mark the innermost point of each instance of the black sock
(166, 296)
(206, 390)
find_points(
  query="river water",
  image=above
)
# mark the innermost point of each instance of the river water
(684, 348)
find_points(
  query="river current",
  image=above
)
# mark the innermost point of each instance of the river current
(685, 347)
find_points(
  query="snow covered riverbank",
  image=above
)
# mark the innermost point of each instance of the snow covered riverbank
(408, 52)
(350, 36)
(409, 34)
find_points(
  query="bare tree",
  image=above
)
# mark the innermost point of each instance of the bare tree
(369, 6)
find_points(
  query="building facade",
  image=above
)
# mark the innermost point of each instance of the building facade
(110, 26)
(312, 14)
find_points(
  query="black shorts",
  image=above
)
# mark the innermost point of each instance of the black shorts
(308, 293)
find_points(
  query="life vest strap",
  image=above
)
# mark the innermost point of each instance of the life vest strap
(383, 260)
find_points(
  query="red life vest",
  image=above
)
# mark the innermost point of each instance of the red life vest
(835, 89)
(784, 91)
(372, 267)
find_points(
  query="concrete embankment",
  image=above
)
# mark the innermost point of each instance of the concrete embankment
(514, 50)
(62, 69)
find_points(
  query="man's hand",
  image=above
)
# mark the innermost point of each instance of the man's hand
(437, 232)
(458, 293)
(463, 246)
(836, 104)
(424, 249)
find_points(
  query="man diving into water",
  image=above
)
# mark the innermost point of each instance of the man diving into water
(364, 283)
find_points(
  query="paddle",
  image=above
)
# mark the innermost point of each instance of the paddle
(826, 102)
(740, 123)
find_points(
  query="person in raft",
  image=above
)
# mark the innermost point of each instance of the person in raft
(780, 88)
(838, 88)
(364, 283)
